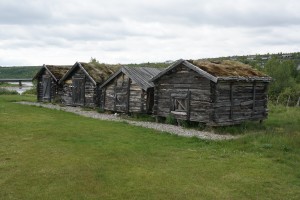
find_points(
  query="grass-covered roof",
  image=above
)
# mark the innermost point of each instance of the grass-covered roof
(58, 70)
(99, 71)
(227, 68)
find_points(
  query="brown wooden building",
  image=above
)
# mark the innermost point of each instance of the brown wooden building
(81, 84)
(48, 86)
(129, 90)
(214, 93)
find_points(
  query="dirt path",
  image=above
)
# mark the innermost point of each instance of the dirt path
(157, 126)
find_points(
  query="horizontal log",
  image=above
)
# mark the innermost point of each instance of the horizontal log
(179, 113)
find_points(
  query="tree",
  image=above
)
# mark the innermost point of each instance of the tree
(283, 74)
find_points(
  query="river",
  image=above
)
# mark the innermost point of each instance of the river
(15, 87)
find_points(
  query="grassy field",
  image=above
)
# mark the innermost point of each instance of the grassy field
(49, 154)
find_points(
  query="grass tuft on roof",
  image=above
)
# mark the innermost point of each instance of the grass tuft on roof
(100, 71)
(227, 68)
(58, 70)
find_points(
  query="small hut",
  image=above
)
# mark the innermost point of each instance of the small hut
(129, 90)
(81, 84)
(214, 93)
(48, 77)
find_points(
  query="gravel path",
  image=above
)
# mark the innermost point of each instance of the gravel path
(157, 126)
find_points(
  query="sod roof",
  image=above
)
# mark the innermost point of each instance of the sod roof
(215, 71)
(99, 72)
(227, 68)
(56, 71)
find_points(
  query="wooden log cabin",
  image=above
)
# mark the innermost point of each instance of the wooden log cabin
(213, 93)
(81, 84)
(129, 90)
(48, 87)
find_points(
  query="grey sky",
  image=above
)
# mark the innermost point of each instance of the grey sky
(33, 32)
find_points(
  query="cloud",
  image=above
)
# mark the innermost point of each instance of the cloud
(62, 32)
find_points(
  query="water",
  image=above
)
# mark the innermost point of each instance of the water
(15, 87)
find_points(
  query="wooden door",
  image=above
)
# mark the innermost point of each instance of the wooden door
(121, 99)
(78, 92)
(46, 88)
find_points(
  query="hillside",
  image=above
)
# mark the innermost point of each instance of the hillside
(18, 72)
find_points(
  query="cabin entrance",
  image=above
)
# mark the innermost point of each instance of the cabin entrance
(121, 99)
(78, 91)
(46, 88)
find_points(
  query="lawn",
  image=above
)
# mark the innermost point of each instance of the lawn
(50, 154)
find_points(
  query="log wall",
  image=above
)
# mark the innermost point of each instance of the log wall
(235, 102)
(53, 90)
(122, 94)
(193, 87)
(216, 104)
(91, 91)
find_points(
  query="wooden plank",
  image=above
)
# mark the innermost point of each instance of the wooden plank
(254, 95)
(115, 96)
(128, 95)
(188, 105)
(231, 99)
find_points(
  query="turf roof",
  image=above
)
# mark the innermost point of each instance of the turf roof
(227, 68)
(58, 70)
(99, 72)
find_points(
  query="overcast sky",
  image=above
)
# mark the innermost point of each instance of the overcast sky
(36, 32)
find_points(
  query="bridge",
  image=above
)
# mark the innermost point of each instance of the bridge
(17, 80)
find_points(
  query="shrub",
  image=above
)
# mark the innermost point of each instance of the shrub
(100, 110)
(170, 119)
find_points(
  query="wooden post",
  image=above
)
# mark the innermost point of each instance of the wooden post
(298, 102)
(288, 101)
(231, 100)
(20, 84)
(128, 95)
(188, 105)
(254, 96)
(155, 103)
(115, 95)
(142, 101)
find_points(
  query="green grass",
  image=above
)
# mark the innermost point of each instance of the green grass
(50, 154)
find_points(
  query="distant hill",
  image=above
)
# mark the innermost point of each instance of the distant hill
(18, 72)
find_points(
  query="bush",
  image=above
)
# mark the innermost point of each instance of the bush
(100, 110)
(291, 92)
(170, 119)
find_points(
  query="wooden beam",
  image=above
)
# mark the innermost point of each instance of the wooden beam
(188, 105)
(231, 100)
(254, 95)
(128, 95)
(115, 96)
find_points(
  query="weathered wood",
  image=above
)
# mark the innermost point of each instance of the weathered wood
(179, 113)
(228, 101)
(231, 100)
(88, 95)
(188, 105)
(254, 95)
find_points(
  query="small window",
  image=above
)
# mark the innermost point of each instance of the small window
(179, 104)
